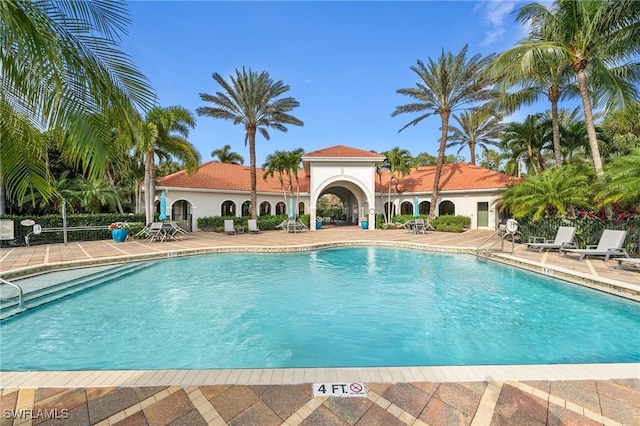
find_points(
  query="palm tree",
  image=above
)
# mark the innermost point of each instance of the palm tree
(275, 163)
(62, 72)
(164, 134)
(623, 180)
(453, 82)
(550, 77)
(596, 39)
(524, 142)
(253, 100)
(552, 193)
(399, 163)
(478, 127)
(225, 155)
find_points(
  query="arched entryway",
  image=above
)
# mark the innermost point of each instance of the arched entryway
(355, 202)
(181, 214)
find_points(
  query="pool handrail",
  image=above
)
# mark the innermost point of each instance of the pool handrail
(17, 287)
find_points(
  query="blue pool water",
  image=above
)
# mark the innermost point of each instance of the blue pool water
(328, 308)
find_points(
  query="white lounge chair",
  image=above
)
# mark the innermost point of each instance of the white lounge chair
(564, 239)
(155, 232)
(228, 227)
(253, 226)
(610, 245)
(622, 262)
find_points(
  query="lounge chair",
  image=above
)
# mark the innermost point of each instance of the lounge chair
(622, 262)
(155, 232)
(419, 226)
(610, 245)
(291, 226)
(564, 239)
(228, 227)
(253, 226)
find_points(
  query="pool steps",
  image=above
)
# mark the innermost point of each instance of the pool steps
(50, 293)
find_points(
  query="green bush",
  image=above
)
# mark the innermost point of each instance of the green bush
(450, 223)
(216, 223)
(73, 220)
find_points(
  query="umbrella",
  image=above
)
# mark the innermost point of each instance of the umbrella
(416, 207)
(163, 207)
(292, 214)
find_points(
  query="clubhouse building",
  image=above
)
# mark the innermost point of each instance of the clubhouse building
(220, 189)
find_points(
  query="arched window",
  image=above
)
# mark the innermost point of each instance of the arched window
(424, 207)
(245, 208)
(300, 208)
(386, 209)
(228, 208)
(446, 207)
(281, 208)
(265, 208)
(406, 208)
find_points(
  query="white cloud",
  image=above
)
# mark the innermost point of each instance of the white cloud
(495, 13)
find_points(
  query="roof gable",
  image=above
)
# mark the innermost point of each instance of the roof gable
(342, 151)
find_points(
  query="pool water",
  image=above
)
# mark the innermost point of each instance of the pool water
(343, 307)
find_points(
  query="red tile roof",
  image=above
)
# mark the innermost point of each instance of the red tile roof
(231, 177)
(341, 151)
(457, 176)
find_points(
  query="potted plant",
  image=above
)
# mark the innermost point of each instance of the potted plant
(319, 221)
(364, 222)
(119, 231)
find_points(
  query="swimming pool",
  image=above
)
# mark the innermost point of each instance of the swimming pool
(345, 307)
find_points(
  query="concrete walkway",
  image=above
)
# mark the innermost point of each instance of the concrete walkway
(509, 395)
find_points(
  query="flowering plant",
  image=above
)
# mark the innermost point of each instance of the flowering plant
(118, 225)
(364, 219)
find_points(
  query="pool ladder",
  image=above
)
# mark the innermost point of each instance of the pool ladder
(482, 251)
(17, 287)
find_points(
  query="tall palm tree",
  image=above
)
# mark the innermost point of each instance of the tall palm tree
(61, 72)
(545, 77)
(164, 134)
(477, 127)
(596, 39)
(453, 82)
(253, 100)
(225, 155)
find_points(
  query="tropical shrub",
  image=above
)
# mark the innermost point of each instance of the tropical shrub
(451, 223)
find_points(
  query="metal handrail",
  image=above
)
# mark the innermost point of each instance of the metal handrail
(17, 287)
(500, 240)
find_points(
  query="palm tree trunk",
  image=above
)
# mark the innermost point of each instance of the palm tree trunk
(149, 186)
(472, 151)
(555, 125)
(251, 133)
(591, 129)
(444, 117)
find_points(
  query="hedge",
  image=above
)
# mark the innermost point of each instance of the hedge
(136, 222)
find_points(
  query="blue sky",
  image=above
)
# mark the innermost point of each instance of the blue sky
(343, 62)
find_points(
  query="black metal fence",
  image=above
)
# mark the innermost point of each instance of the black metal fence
(588, 230)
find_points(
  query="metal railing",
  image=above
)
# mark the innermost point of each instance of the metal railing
(17, 287)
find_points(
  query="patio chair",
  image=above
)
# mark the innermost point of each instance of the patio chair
(419, 227)
(156, 232)
(563, 239)
(253, 226)
(610, 245)
(283, 225)
(228, 227)
(428, 226)
(291, 226)
(622, 262)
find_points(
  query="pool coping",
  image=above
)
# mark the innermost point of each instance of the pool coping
(288, 376)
